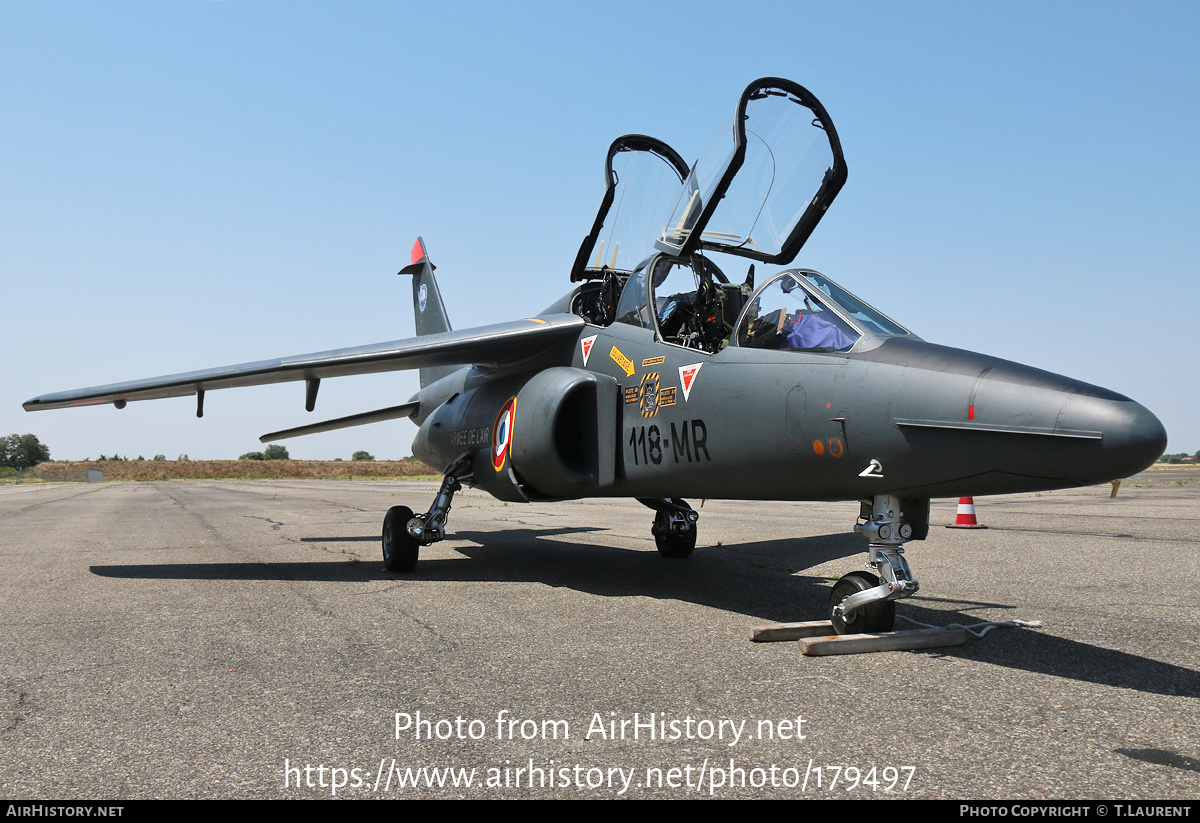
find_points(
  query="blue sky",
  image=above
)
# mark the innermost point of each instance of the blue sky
(194, 184)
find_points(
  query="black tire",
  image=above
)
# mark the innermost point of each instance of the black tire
(879, 616)
(670, 544)
(400, 550)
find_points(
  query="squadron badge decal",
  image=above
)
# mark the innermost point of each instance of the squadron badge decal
(687, 376)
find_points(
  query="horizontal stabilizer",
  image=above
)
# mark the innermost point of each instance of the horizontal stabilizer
(497, 346)
(378, 416)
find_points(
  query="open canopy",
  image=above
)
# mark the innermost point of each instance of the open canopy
(757, 191)
(641, 180)
(761, 187)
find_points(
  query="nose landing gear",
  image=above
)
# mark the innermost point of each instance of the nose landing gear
(860, 601)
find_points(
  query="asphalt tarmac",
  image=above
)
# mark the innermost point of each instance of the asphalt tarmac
(241, 639)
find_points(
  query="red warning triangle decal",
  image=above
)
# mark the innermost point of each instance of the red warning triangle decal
(586, 343)
(687, 376)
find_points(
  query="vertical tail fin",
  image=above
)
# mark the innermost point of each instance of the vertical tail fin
(428, 309)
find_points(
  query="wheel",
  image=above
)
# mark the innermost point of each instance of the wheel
(671, 544)
(879, 616)
(399, 548)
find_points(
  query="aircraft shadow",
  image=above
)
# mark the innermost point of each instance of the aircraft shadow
(767, 587)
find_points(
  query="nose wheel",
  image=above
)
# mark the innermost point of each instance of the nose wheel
(877, 616)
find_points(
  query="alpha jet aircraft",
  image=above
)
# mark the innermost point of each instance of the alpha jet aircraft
(659, 378)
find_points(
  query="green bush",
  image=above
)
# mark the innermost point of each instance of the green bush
(22, 451)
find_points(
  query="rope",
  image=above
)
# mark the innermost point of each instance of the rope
(986, 626)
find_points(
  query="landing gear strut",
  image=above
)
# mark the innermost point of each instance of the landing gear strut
(861, 602)
(404, 534)
(674, 525)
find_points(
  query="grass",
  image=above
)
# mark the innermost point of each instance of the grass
(232, 470)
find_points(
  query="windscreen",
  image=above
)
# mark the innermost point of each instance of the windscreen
(864, 315)
(802, 310)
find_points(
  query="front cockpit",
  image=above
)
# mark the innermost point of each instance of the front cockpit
(802, 310)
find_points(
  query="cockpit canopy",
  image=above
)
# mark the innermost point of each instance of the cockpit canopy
(763, 184)
(641, 180)
(757, 191)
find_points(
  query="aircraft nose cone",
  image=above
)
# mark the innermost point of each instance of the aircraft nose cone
(1131, 438)
(1146, 442)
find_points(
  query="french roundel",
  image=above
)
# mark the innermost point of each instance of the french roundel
(502, 433)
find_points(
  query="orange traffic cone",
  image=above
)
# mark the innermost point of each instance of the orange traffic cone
(966, 515)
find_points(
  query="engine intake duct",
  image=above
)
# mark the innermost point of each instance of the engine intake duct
(564, 443)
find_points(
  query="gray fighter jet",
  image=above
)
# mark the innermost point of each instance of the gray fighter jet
(660, 378)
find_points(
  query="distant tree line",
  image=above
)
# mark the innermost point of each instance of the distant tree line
(275, 452)
(1180, 458)
(22, 451)
(139, 457)
(272, 452)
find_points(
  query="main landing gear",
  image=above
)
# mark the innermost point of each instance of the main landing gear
(860, 602)
(404, 534)
(674, 527)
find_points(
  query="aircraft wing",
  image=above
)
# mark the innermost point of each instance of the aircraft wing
(496, 345)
